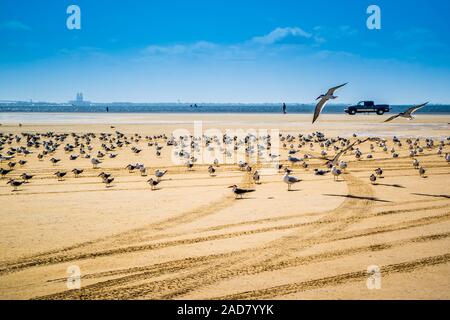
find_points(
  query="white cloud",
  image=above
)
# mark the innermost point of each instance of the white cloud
(196, 47)
(282, 33)
(14, 25)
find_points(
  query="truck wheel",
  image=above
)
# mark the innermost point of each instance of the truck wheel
(380, 112)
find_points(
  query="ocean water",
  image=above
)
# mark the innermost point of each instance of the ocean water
(206, 108)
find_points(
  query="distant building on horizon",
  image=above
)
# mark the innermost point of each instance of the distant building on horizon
(79, 101)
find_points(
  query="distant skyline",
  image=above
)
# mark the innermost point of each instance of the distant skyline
(225, 51)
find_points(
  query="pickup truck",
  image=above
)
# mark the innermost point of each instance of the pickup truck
(367, 106)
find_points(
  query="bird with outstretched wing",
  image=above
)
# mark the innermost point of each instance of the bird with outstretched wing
(408, 113)
(323, 100)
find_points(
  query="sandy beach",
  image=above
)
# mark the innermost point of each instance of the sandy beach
(191, 239)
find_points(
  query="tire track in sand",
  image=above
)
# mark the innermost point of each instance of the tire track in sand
(338, 279)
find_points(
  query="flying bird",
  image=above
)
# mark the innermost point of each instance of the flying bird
(324, 99)
(408, 113)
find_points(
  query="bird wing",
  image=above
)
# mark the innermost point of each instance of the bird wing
(292, 179)
(319, 108)
(332, 90)
(415, 108)
(337, 156)
(392, 118)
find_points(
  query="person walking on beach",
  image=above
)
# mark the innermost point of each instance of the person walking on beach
(107, 109)
(284, 108)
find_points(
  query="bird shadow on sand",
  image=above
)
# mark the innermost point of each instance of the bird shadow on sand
(432, 195)
(356, 197)
(389, 185)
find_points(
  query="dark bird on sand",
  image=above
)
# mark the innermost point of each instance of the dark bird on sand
(77, 172)
(15, 183)
(239, 192)
(60, 175)
(26, 176)
(153, 183)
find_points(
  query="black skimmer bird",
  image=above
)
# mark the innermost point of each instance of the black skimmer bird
(15, 183)
(211, 171)
(107, 181)
(4, 172)
(379, 172)
(422, 172)
(324, 99)
(55, 161)
(22, 162)
(256, 177)
(153, 183)
(77, 172)
(320, 172)
(408, 113)
(11, 164)
(372, 178)
(239, 192)
(26, 177)
(104, 175)
(60, 175)
(290, 180)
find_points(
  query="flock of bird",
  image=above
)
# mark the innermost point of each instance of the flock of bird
(328, 150)
(81, 146)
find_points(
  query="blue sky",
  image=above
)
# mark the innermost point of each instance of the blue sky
(225, 51)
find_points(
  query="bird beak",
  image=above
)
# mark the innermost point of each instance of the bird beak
(231, 187)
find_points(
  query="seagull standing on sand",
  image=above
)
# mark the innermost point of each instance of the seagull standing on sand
(160, 173)
(324, 99)
(290, 180)
(336, 173)
(408, 113)
(95, 162)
